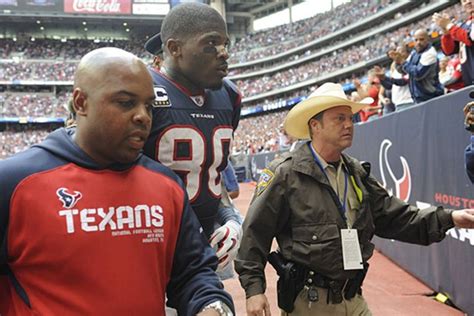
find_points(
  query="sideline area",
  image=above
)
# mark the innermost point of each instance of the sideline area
(388, 289)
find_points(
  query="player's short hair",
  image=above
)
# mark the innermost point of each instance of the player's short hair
(188, 19)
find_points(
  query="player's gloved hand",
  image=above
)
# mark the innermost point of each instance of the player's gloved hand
(226, 240)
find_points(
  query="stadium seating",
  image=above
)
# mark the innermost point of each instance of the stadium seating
(266, 85)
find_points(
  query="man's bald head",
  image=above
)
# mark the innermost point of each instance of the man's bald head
(102, 62)
(104, 70)
(422, 39)
(421, 32)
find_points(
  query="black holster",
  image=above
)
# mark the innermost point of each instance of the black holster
(289, 284)
(292, 280)
(354, 285)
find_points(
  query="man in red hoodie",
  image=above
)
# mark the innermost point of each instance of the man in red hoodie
(91, 226)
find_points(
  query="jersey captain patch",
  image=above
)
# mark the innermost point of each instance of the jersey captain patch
(266, 178)
(161, 97)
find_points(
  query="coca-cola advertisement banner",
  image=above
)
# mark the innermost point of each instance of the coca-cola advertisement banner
(118, 7)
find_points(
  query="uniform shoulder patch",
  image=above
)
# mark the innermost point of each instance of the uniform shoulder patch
(266, 178)
(162, 99)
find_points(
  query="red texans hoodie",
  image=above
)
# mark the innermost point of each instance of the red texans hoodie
(78, 239)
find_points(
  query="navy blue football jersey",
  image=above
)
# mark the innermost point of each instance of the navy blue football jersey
(192, 135)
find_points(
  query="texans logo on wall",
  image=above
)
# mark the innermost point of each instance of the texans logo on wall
(401, 186)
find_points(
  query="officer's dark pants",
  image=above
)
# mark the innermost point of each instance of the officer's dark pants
(354, 307)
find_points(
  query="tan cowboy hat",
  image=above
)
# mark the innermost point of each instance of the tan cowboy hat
(327, 96)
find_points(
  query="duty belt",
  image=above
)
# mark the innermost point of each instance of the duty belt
(295, 277)
(337, 289)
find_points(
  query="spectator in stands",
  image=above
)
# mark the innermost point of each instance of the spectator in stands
(355, 97)
(139, 238)
(397, 82)
(422, 68)
(284, 140)
(459, 38)
(370, 89)
(385, 100)
(450, 74)
(469, 153)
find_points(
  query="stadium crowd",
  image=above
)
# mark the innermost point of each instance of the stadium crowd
(370, 49)
(33, 105)
(361, 52)
(261, 134)
(282, 38)
(53, 60)
(37, 71)
(16, 139)
(54, 49)
(378, 44)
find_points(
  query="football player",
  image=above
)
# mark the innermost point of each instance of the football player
(195, 114)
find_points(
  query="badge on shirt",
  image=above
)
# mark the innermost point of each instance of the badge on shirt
(265, 178)
(162, 99)
(351, 254)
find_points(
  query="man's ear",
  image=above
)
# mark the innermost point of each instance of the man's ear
(79, 102)
(174, 47)
(314, 123)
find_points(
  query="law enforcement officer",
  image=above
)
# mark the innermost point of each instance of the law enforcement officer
(323, 207)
